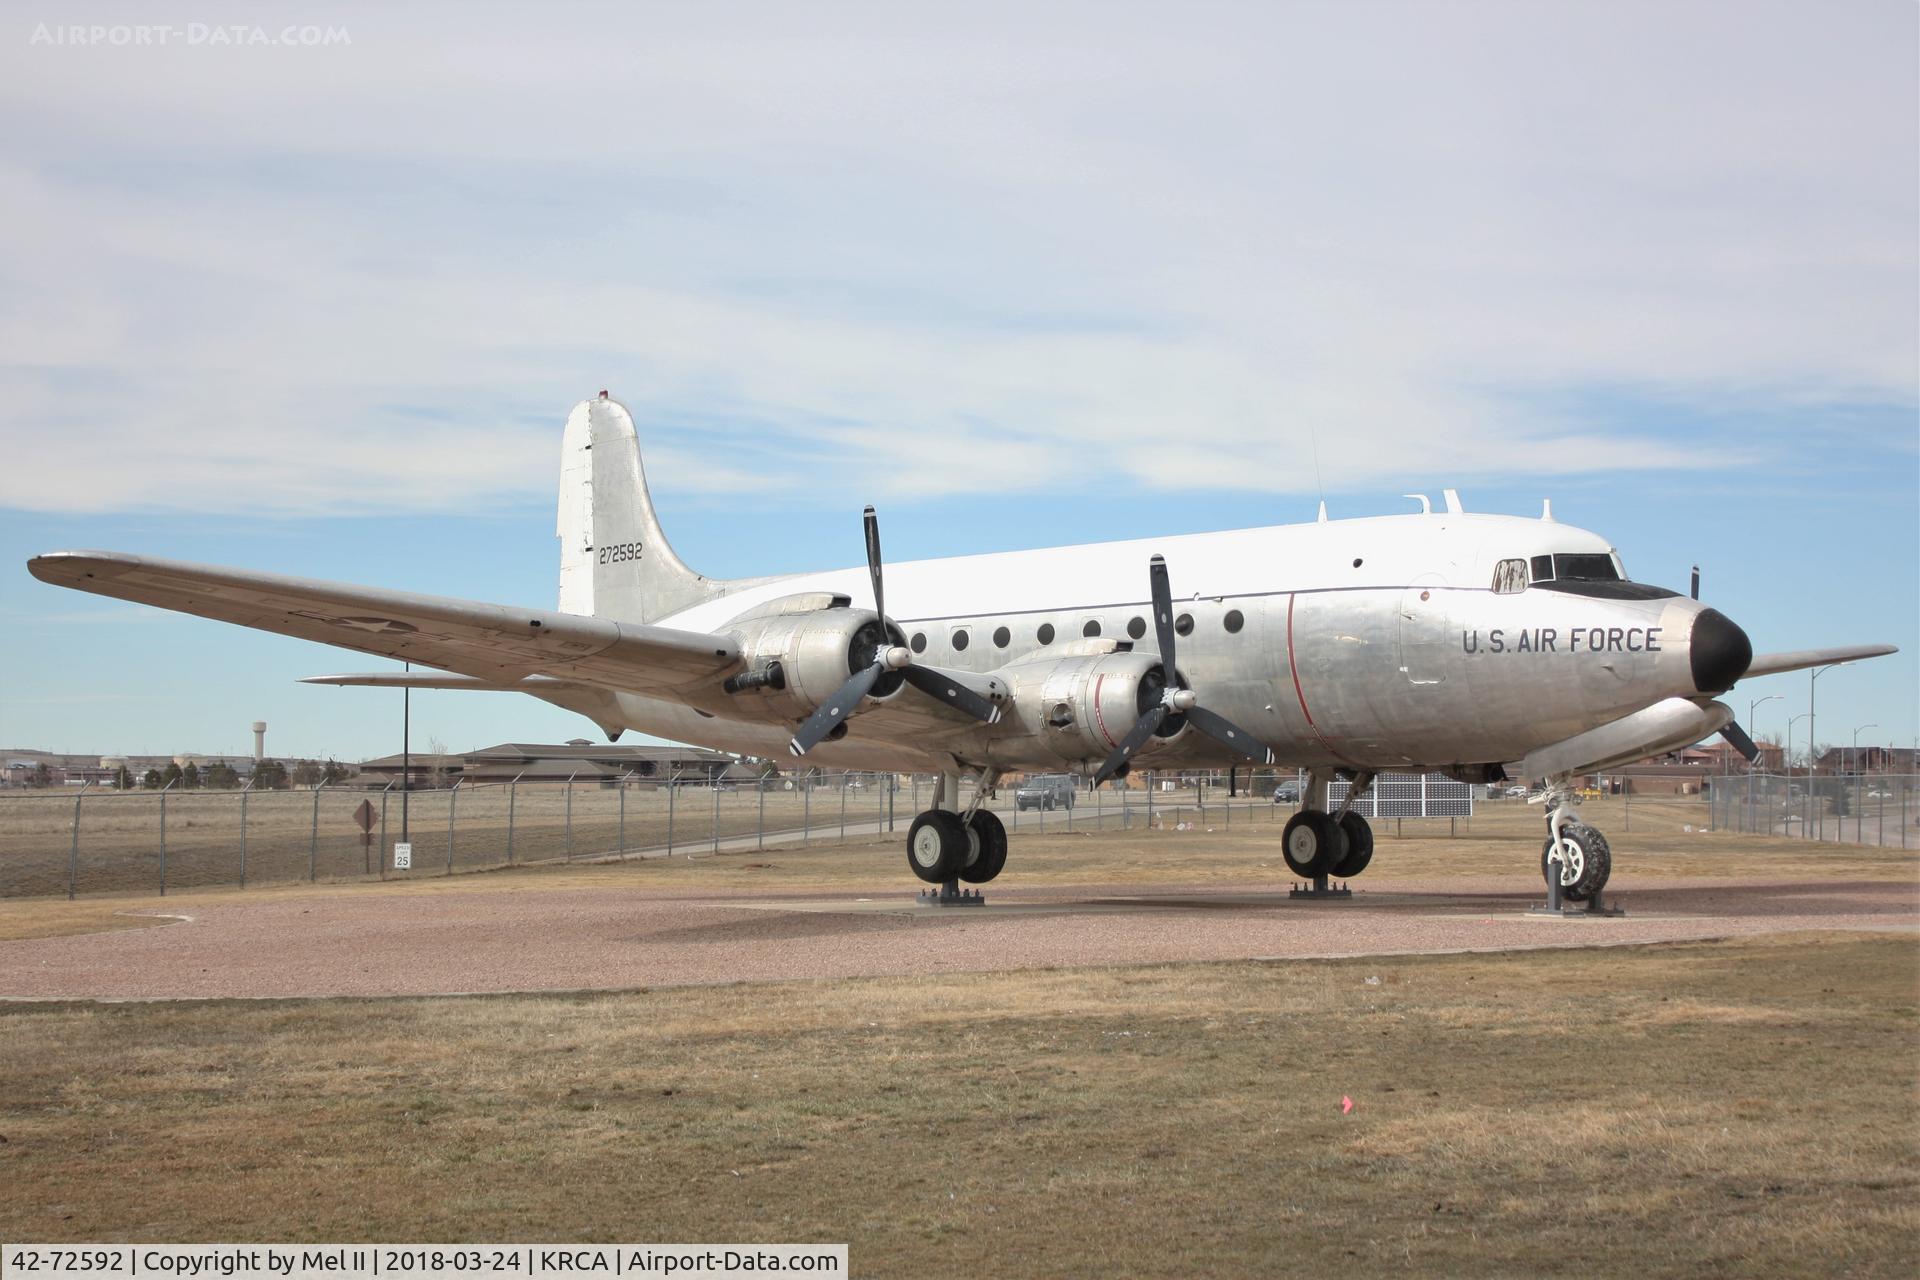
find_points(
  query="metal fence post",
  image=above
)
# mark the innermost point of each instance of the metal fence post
(243, 832)
(714, 784)
(453, 801)
(880, 803)
(1149, 801)
(512, 791)
(806, 808)
(844, 777)
(760, 841)
(624, 779)
(163, 837)
(383, 829)
(73, 853)
(570, 778)
(313, 837)
(670, 790)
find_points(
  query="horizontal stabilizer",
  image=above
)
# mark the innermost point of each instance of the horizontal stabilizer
(441, 680)
(1772, 664)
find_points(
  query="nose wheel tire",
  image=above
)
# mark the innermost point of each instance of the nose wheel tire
(990, 837)
(1313, 843)
(938, 846)
(1359, 847)
(1586, 862)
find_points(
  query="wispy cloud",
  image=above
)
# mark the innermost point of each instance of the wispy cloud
(815, 247)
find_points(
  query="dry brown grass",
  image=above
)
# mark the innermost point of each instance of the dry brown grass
(1734, 1108)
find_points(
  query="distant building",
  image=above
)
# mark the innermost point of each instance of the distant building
(585, 763)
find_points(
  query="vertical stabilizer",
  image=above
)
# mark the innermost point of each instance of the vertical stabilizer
(614, 558)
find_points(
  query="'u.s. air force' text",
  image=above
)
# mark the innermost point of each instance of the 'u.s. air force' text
(1578, 640)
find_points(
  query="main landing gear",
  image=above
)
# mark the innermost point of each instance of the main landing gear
(1321, 847)
(946, 848)
(1576, 860)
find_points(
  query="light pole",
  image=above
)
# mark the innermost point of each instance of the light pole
(1809, 810)
(1853, 754)
(1813, 679)
(1751, 704)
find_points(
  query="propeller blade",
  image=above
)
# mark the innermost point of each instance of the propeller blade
(1162, 611)
(1738, 739)
(935, 685)
(1696, 582)
(1228, 734)
(872, 523)
(1141, 731)
(828, 715)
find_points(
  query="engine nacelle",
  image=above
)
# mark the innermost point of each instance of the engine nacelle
(1078, 708)
(799, 650)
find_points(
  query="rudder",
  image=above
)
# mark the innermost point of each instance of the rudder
(615, 561)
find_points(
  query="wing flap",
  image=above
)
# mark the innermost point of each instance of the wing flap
(499, 644)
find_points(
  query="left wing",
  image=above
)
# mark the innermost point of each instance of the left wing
(498, 644)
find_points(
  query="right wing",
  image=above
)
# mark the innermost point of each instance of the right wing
(1770, 664)
(497, 644)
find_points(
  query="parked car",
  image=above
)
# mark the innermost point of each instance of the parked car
(1287, 793)
(1515, 792)
(1047, 791)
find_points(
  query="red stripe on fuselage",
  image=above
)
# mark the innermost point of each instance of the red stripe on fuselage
(1294, 668)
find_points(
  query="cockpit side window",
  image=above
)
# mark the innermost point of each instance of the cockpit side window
(1510, 576)
(1543, 568)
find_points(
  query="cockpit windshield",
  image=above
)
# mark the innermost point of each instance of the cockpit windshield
(1585, 566)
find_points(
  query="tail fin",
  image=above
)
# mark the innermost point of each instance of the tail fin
(614, 558)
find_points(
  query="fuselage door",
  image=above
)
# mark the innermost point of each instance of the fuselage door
(1424, 630)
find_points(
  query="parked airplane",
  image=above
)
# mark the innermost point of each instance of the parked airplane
(1480, 645)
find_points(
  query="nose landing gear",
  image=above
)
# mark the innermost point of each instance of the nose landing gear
(1576, 860)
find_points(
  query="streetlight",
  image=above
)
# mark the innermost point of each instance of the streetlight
(1813, 679)
(1796, 720)
(1751, 704)
(1853, 756)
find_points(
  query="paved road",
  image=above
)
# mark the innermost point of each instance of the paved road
(369, 941)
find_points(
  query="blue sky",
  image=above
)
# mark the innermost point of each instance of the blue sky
(1021, 280)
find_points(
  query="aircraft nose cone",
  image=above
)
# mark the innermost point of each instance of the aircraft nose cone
(1720, 652)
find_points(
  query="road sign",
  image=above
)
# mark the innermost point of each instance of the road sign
(364, 816)
(403, 856)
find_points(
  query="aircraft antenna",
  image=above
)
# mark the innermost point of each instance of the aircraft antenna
(1313, 436)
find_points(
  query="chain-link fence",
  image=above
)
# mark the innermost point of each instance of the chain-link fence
(98, 842)
(1871, 808)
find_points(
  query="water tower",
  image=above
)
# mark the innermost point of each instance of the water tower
(259, 741)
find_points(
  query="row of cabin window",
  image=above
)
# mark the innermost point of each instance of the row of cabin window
(1136, 629)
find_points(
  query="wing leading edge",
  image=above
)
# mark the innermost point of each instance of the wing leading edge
(497, 644)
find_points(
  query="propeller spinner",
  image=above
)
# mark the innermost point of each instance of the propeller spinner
(886, 657)
(1176, 698)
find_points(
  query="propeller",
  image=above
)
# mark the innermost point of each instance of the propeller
(1737, 738)
(887, 658)
(1176, 699)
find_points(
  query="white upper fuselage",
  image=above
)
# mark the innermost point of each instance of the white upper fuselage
(1376, 641)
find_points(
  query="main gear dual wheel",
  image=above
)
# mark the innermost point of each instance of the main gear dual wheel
(1313, 844)
(942, 846)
